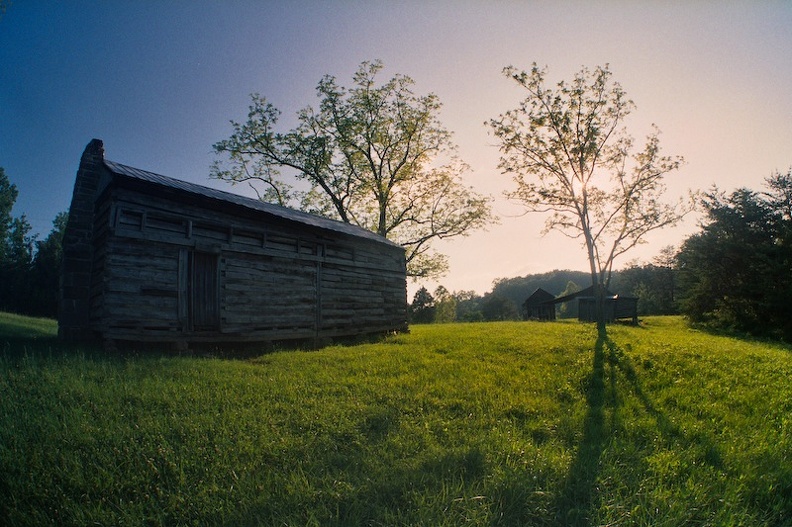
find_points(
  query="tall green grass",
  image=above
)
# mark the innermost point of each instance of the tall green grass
(474, 424)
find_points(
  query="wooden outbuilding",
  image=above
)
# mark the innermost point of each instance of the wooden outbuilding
(617, 307)
(539, 306)
(151, 258)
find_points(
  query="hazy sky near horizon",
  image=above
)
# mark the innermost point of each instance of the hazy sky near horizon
(159, 82)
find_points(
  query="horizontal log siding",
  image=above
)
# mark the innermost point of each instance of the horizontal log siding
(141, 289)
(357, 302)
(268, 295)
(278, 280)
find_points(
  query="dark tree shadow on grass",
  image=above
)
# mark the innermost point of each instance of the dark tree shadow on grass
(578, 499)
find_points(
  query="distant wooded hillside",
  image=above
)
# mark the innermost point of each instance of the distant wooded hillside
(556, 282)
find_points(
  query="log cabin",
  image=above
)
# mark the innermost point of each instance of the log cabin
(539, 306)
(148, 258)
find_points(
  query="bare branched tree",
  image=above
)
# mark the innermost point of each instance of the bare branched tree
(571, 157)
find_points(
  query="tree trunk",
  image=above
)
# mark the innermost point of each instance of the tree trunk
(597, 285)
(599, 309)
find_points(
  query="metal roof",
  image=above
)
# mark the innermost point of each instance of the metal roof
(245, 202)
(587, 293)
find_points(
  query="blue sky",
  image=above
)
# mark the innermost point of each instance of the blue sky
(159, 81)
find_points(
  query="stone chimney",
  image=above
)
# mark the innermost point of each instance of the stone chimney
(75, 294)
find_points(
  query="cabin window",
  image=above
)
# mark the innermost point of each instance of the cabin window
(339, 252)
(130, 220)
(173, 224)
(204, 290)
(308, 248)
(253, 239)
(210, 231)
(282, 243)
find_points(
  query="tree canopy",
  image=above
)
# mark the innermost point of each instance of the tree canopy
(374, 155)
(735, 273)
(8, 196)
(570, 156)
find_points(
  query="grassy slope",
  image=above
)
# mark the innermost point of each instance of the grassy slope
(481, 424)
(15, 329)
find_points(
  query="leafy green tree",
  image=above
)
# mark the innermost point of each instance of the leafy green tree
(8, 196)
(735, 273)
(665, 282)
(422, 309)
(445, 306)
(653, 283)
(779, 198)
(779, 195)
(46, 271)
(496, 307)
(570, 156)
(29, 269)
(20, 244)
(569, 309)
(15, 248)
(15, 281)
(468, 306)
(374, 155)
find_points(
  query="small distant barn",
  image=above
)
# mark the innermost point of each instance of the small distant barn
(617, 307)
(150, 258)
(539, 306)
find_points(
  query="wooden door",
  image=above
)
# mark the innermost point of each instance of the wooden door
(204, 291)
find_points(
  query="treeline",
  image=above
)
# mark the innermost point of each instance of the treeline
(734, 275)
(29, 267)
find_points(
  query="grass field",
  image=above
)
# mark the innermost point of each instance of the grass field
(475, 424)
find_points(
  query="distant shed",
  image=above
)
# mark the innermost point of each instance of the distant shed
(539, 306)
(617, 307)
(151, 258)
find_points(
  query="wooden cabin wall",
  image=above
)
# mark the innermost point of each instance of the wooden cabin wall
(278, 280)
(268, 298)
(141, 292)
(626, 307)
(587, 309)
(615, 308)
(353, 300)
